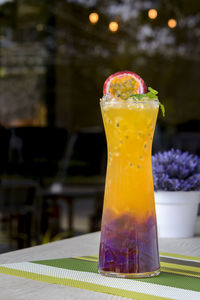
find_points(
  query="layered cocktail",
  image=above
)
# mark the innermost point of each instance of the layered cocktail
(128, 246)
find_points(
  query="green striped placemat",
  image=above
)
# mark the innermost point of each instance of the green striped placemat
(179, 278)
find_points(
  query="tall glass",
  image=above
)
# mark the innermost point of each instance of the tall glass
(129, 244)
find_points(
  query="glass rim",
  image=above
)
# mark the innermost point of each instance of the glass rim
(126, 102)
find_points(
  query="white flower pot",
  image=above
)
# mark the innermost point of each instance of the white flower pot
(176, 213)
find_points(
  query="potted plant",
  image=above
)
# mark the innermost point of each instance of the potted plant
(176, 177)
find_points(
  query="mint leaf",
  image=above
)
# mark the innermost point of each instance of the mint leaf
(151, 94)
(162, 108)
(139, 96)
(152, 91)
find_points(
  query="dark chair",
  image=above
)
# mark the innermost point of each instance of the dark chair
(186, 136)
(83, 162)
(36, 151)
(4, 137)
(19, 211)
(85, 153)
(187, 141)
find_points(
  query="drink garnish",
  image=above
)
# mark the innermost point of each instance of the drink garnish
(126, 85)
(123, 84)
(151, 94)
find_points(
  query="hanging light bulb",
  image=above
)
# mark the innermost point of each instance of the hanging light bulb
(113, 26)
(94, 17)
(172, 23)
(152, 13)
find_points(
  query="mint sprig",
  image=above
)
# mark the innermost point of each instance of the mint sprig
(162, 108)
(152, 91)
(151, 94)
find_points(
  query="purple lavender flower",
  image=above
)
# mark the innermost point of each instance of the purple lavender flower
(175, 170)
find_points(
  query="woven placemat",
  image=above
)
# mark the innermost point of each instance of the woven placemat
(179, 278)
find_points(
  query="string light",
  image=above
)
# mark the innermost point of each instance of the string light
(172, 23)
(94, 18)
(152, 13)
(113, 26)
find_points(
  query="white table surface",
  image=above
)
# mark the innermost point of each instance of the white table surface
(16, 288)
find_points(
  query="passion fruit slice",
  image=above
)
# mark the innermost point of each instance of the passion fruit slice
(124, 84)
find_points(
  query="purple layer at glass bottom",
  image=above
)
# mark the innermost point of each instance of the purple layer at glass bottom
(128, 247)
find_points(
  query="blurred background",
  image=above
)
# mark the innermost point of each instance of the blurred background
(54, 58)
